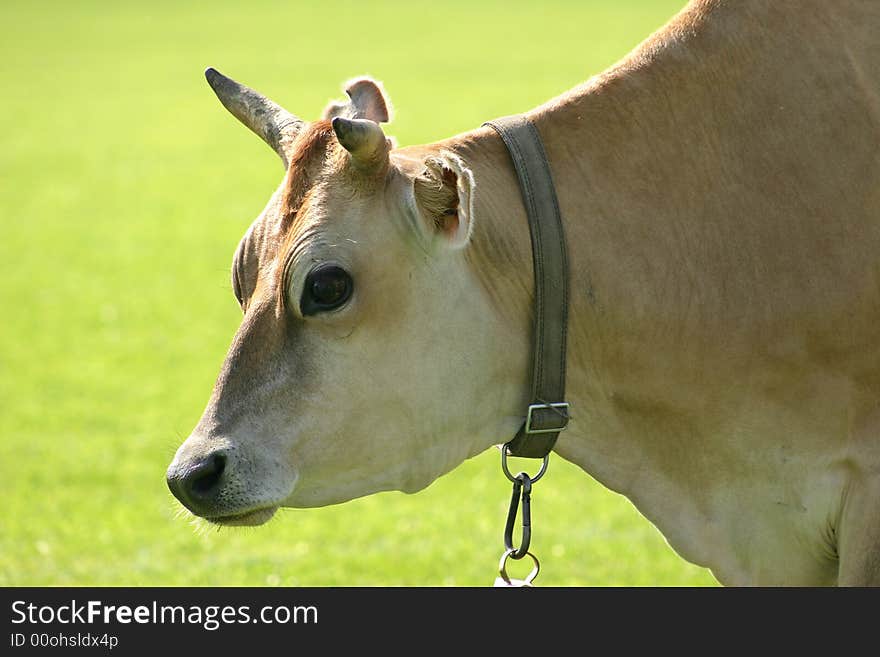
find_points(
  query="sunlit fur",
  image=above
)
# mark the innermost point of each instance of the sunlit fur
(720, 189)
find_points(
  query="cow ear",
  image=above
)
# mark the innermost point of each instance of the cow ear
(443, 193)
(366, 100)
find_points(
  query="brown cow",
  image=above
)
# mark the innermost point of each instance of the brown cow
(721, 195)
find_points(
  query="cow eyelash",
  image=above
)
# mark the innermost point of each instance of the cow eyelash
(236, 280)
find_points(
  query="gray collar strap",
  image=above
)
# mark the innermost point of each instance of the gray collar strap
(548, 412)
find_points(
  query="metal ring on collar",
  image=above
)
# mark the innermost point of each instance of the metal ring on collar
(506, 470)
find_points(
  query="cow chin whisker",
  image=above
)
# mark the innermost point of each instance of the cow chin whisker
(200, 526)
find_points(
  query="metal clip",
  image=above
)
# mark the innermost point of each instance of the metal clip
(522, 492)
(521, 483)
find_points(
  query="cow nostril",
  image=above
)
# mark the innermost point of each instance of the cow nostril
(205, 478)
(197, 484)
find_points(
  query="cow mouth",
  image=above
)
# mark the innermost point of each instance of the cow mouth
(245, 519)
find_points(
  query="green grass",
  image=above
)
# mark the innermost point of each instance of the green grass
(124, 188)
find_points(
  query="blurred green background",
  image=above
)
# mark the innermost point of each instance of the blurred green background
(124, 189)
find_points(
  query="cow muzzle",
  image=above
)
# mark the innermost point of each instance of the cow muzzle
(204, 484)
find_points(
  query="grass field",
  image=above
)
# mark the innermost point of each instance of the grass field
(124, 188)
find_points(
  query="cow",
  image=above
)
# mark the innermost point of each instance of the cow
(720, 191)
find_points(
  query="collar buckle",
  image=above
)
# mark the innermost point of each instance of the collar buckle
(557, 409)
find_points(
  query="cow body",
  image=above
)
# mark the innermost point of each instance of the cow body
(720, 189)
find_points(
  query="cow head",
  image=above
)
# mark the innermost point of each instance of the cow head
(366, 359)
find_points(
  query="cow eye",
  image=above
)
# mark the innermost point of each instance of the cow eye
(327, 287)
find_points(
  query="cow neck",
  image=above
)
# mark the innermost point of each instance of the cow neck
(547, 413)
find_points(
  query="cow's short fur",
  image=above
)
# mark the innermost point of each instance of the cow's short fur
(721, 193)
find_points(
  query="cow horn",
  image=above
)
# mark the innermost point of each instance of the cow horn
(271, 122)
(363, 139)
